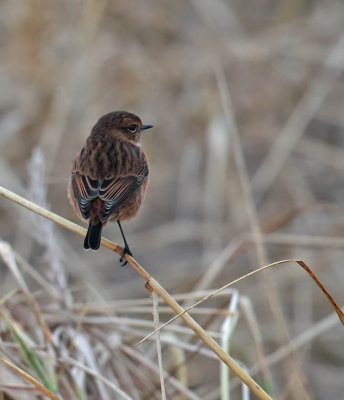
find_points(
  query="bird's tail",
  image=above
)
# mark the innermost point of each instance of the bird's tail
(93, 236)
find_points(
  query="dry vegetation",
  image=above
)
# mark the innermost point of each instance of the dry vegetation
(246, 169)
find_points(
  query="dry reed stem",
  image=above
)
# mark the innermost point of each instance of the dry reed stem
(240, 162)
(248, 312)
(274, 264)
(158, 344)
(8, 257)
(151, 367)
(152, 283)
(30, 379)
(296, 343)
(298, 121)
(147, 310)
(269, 282)
(322, 287)
(70, 361)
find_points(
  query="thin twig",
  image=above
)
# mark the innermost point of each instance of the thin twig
(274, 264)
(158, 344)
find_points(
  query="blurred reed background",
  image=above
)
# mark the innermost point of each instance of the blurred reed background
(247, 103)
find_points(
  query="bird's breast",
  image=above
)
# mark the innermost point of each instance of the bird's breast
(102, 159)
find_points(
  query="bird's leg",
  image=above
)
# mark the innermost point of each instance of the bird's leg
(126, 249)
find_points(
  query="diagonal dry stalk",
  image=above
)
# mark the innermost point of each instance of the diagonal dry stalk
(151, 284)
(30, 379)
(158, 344)
(301, 263)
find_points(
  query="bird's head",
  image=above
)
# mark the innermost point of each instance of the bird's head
(122, 125)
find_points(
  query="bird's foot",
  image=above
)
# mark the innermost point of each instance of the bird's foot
(125, 251)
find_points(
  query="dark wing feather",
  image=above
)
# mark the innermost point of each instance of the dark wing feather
(116, 192)
(85, 190)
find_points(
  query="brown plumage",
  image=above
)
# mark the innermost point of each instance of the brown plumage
(109, 175)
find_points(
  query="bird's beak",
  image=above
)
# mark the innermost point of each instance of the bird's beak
(146, 127)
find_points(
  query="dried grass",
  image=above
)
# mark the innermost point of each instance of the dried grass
(234, 184)
(153, 286)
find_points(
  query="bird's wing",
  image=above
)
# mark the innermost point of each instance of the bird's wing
(85, 190)
(117, 191)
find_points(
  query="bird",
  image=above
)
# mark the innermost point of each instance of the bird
(109, 176)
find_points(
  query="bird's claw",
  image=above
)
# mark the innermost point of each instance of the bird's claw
(125, 251)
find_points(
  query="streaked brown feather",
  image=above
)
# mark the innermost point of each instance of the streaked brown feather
(111, 170)
(109, 175)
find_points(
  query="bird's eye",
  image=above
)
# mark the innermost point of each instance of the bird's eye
(133, 128)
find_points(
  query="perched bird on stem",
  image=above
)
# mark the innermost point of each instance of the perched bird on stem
(110, 175)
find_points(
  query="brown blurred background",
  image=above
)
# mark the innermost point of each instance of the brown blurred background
(214, 77)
